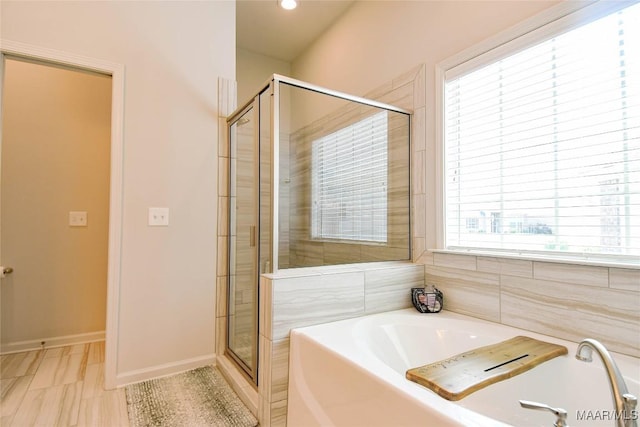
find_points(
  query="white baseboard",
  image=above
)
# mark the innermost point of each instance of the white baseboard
(51, 342)
(164, 370)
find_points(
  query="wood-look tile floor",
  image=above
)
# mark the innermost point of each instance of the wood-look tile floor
(61, 386)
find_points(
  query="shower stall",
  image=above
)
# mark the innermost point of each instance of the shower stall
(317, 178)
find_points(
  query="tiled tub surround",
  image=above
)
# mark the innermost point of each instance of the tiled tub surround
(308, 296)
(567, 301)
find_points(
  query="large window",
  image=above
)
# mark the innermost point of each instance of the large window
(349, 182)
(542, 142)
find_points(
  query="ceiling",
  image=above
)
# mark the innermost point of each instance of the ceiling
(263, 27)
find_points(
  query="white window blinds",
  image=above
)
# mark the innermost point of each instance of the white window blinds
(349, 182)
(542, 147)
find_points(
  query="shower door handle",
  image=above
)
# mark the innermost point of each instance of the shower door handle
(252, 236)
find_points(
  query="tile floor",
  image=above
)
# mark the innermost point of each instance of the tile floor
(59, 387)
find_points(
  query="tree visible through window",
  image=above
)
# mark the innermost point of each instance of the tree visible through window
(349, 182)
(542, 147)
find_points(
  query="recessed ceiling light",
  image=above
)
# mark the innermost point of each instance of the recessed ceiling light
(288, 4)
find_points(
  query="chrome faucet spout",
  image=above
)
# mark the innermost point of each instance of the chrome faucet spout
(624, 402)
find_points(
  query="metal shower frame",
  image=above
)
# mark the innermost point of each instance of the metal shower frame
(273, 85)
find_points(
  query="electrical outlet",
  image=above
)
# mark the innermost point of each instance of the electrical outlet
(77, 219)
(158, 217)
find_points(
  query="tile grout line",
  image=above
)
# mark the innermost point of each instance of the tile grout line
(78, 397)
(17, 407)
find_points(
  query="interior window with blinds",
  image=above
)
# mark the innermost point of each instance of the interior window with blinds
(542, 146)
(349, 182)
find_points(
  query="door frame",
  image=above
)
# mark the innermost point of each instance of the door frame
(116, 71)
(253, 108)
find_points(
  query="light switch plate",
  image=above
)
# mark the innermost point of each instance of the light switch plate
(158, 217)
(78, 219)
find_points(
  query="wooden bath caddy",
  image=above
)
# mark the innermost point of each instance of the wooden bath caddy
(461, 375)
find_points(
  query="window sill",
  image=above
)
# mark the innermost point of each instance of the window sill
(576, 260)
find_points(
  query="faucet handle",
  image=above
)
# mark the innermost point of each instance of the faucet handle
(630, 401)
(561, 414)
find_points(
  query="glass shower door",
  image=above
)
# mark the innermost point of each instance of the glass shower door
(243, 242)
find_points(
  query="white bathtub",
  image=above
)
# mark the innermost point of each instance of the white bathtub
(352, 373)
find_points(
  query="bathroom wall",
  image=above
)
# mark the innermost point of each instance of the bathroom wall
(563, 299)
(253, 72)
(173, 53)
(375, 41)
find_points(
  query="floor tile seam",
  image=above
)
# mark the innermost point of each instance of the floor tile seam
(59, 372)
(21, 400)
(38, 361)
(41, 358)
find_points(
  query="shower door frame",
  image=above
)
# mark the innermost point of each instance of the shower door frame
(272, 86)
(273, 83)
(253, 106)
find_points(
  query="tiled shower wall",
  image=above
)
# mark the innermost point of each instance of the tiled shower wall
(306, 296)
(363, 288)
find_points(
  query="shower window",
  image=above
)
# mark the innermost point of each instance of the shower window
(349, 182)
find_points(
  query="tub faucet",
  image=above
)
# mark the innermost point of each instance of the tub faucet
(624, 402)
(561, 414)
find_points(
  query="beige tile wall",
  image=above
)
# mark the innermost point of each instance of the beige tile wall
(568, 301)
(284, 225)
(226, 105)
(307, 296)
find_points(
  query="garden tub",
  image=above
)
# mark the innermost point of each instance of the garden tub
(352, 373)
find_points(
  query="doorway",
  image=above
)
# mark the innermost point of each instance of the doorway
(75, 218)
(55, 204)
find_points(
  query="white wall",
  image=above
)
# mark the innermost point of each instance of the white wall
(253, 71)
(173, 53)
(375, 41)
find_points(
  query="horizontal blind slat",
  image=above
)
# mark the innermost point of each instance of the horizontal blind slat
(349, 173)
